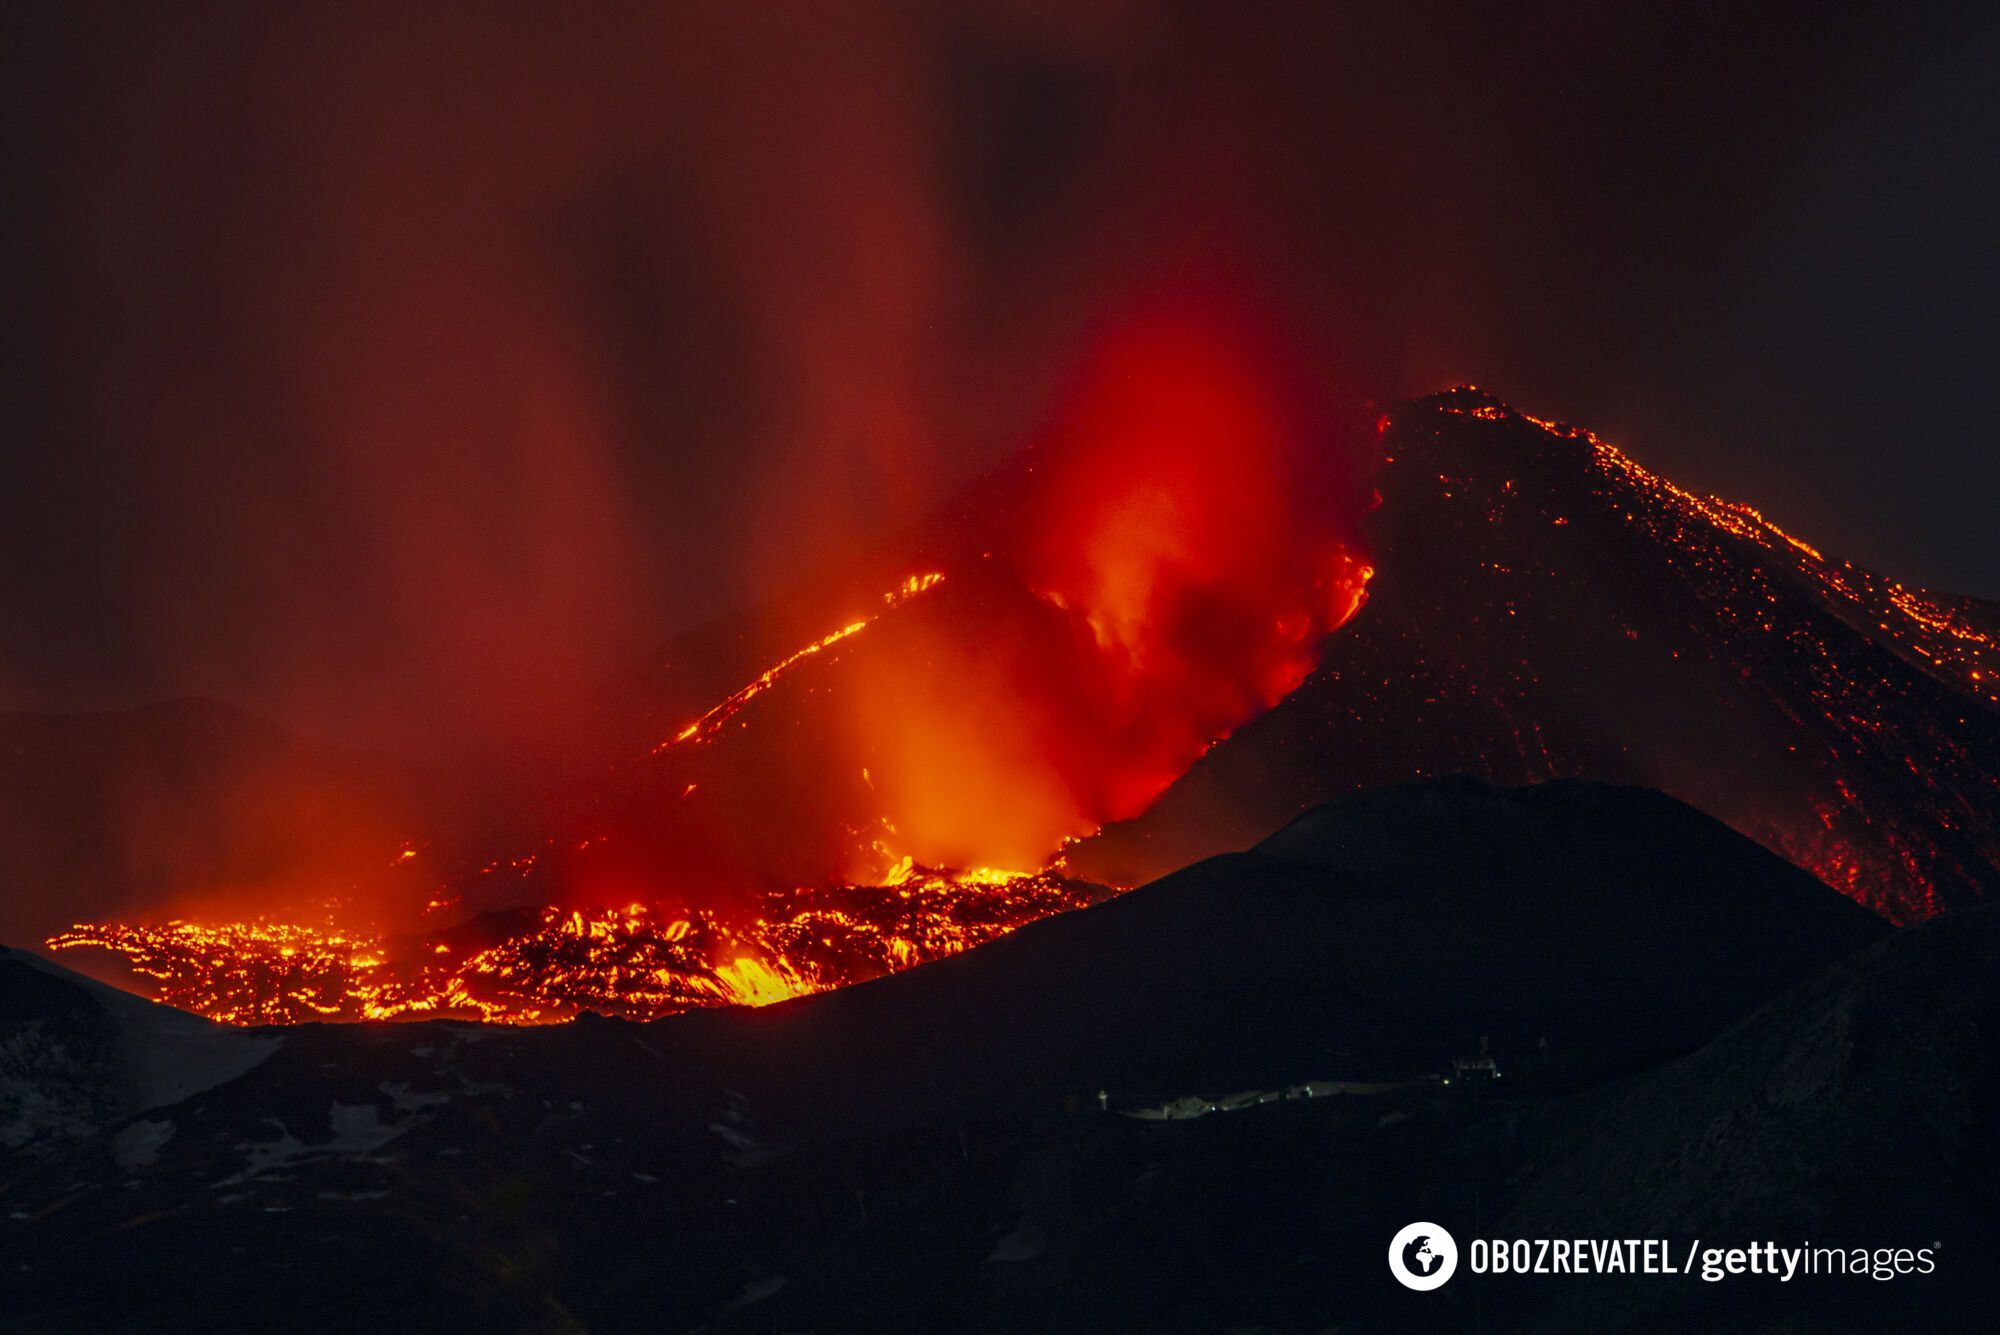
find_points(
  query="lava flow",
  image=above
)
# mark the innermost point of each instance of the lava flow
(708, 723)
(552, 964)
(1172, 558)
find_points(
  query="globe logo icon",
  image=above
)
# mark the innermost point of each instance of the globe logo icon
(1422, 1256)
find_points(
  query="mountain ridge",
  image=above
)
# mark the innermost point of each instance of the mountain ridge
(1546, 608)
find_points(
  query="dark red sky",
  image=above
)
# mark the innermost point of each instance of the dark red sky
(398, 369)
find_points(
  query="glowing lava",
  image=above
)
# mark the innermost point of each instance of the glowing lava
(709, 723)
(631, 962)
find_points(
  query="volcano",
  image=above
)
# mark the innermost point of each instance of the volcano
(1547, 607)
(980, 727)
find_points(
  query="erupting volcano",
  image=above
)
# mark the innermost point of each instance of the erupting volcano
(899, 783)
(1121, 656)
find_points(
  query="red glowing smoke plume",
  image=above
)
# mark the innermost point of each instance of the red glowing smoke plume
(1182, 560)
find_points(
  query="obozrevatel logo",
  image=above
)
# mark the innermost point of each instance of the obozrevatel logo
(1422, 1256)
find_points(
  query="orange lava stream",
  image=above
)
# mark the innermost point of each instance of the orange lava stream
(1914, 623)
(711, 722)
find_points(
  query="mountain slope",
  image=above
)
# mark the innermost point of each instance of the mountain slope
(1393, 928)
(1546, 608)
(77, 1056)
(1855, 1111)
(924, 1151)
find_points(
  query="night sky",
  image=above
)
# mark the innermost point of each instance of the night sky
(399, 370)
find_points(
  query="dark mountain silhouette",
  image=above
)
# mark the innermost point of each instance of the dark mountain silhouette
(1392, 928)
(1272, 1033)
(78, 1056)
(1857, 1111)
